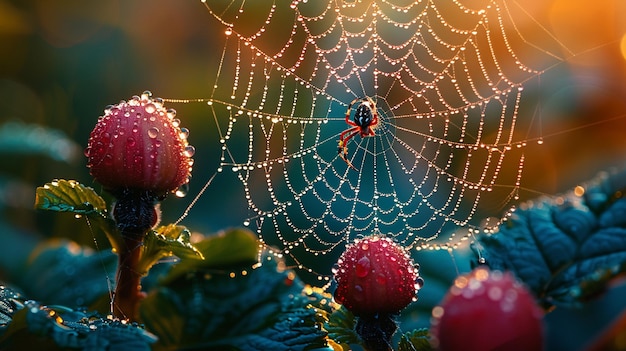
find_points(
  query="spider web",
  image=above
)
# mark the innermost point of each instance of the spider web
(447, 78)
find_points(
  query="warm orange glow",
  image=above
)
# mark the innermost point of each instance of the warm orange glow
(623, 46)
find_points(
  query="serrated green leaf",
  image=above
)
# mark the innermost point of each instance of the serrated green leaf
(565, 248)
(340, 327)
(232, 247)
(63, 272)
(57, 327)
(166, 241)
(266, 308)
(71, 196)
(416, 340)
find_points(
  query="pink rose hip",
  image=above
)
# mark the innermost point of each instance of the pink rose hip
(376, 279)
(138, 145)
(487, 310)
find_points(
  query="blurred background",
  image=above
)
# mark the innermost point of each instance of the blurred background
(62, 62)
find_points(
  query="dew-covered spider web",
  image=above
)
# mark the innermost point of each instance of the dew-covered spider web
(447, 79)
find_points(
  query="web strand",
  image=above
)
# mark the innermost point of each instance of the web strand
(447, 79)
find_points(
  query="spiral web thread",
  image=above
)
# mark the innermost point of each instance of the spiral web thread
(447, 78)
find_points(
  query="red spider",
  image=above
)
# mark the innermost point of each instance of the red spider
(363, 123)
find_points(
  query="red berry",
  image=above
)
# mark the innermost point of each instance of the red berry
(138, 145)
(374, 276)
(488, 310)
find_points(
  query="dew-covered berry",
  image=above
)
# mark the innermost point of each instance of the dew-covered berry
(374, 276)
(487, 310)
(138, 145)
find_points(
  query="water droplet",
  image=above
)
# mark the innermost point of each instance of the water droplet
(358, 293)
(150, 108)
(365, 246)
(153, 132)
(335, 268)
(189, 151)
(363, 267)
(246, 223)
(108, 160)
(482, 260)
(86, 151)
(182, 190)
(176, 122)
(419, 283)
(171, 113)
(146, 95)
(78, 216)
(184, 133)
(131, 142)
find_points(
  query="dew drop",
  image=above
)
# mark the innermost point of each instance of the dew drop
(335, 269)
(150, 108)
(363, 267)
(246, 223)
(189, 151)
(419, 283)
(108, 160)
(153, 132)
(365, 246)
(146, 95)
(358, 293)
(171, 113)
(182, 190)
(131, 142)
(184, 133)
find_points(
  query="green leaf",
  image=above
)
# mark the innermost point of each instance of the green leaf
(416, 340)
(21, 138)
(57, 327)
(166, 241)
(565, 248)
(70, 196)
(63, 272)
(267, 308)
(233, 247)
(340, 327)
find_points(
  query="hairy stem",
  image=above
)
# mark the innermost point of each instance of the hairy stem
(376, 331)
(128, 287)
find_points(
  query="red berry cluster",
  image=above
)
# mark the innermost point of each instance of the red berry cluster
(487, 310)
(138, 144)
(375, 275)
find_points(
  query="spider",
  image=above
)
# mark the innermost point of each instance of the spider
(363, 123)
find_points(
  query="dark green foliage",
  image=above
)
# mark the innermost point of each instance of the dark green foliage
(340, 328)
(64, 273)
(218, 306)
(416, 340)
(20, 138)
(565, 248)
(55, 327)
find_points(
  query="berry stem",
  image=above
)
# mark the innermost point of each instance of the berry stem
(128, 287)
(376, 331)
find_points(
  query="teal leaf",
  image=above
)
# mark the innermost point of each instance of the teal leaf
(70, 196)
(21, 138)
(63, 272)
(232, 247)
(237, 308)
(43, 327)
(11, 301)
(566, 248)
(166, 241)
(416, 340)
(340, 327)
